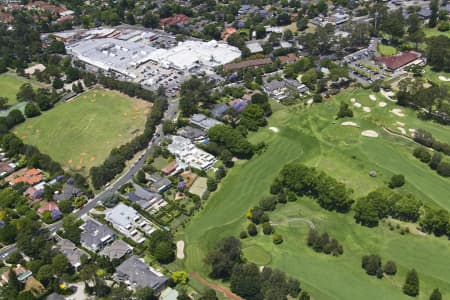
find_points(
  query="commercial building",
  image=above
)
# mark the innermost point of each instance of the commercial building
(188, 154)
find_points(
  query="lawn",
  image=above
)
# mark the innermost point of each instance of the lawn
(80, 134)
(386, 50)
(9, 86)
(429, 32)
(312, 136)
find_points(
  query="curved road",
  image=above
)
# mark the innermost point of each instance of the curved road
(170, 114)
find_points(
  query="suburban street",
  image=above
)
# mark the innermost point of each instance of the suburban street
(170, 114)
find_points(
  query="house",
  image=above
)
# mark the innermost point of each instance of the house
(6, 18)
(188, 154)
(226, 32)
(194, 134)
(238, 104)
(52, 207)
(424, 13)
(30, 177)
(22, 274)
(254, 47)
(146, 199)
(169, 294)
(35, 192)
(137, 274)
(204, 122)
(7, 168)
(127, 220)
(219, 110)
(71, 252)
(178, 19)
(68, 192)
(399, 61)
(288, 59)
(55, 296)
(170, 168)
(116, 250)
(95, 235)
(276, 89)
(160, 184)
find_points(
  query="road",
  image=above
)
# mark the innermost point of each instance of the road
(170, 114)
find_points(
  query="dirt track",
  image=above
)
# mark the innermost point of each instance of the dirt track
(229, 294)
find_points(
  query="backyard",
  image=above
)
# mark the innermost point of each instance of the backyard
(80, 134)
(313, 136)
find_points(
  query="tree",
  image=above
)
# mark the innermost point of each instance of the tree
(140, 177)
(145, 293)
(246, 281)
(390, 268)
(59, 264)
(252, 229)
(14, 117)
(211, 184)
(443, 169)
(304, 296)
(371, 264)
(260, 31)
(169, 127)
(71, 228)
(397, 181)
(3, 102)
(411, 285)
(31, 110)
(150, 20)
(57, 83)
(422, 154)
(434, 6)
(208, 294)
(25, 93)
(344, 111)
(288, 35)
(180, 277)
(252, 117)
(8, 234)
(317, 98)
(267, 228)
(437, 55)
(435, 160)
(436, 295)
(164, 252)
(224, 257)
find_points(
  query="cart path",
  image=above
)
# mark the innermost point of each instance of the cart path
(226, 292)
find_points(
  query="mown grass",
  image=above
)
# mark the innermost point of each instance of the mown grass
(386, 50)
(81, 133)
(10, 85)
(312, 136)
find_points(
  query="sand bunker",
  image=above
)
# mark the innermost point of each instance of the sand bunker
(353, 100)
(443, 78)
(310, 101)
(400, 124)
(382, 104)
(349, 124)
(398, 112)
(402, 130)
(180, 249)
(274, 129)
(357, 104)
(369, 133)
(372, 97)
(366, 109)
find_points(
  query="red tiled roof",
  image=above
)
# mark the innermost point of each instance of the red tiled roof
(31, 176)
(226, 32)
(288, 59)
(49, 206)
(247, 64)
(6, 18)
(397, 61)
(170, 167)
(177, 19)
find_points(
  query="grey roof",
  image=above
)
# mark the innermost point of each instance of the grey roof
(424, 12)
(55, 296)
(117, 249)
(139, 274)
(274, 85)
(143, 197)
(69, 191)
(191, 133)
(203, 121)
(95, 234)
(122, 215)
(71, 252)
(219, 110)
(162, 184)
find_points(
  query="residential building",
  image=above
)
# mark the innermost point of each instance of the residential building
(170, 168)
(160, 184)
(194, 134)
(188, 154)
(95, 235)
(30, 177)
(226, 32)
(137, 274)
(239, 104)
(52, 207)
(71, 252)
(203, 121)
(129, 222)
(116, 250)
(68, 192)
(276, 89)
(146, 199)
(219, 110)
(254, 47)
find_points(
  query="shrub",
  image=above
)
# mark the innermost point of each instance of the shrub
(252, 230)
(397, 181)
(390, 268)
(277, 239)
(267, 228)
(443, 169)
(243, 235)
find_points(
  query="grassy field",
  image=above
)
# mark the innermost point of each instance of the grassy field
(386, 50)
(312, 136)
(429, 32)
(9, 86)
(80, 134)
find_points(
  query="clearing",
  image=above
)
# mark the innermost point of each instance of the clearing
(80, 134)
(9, 86)
(312, 137)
